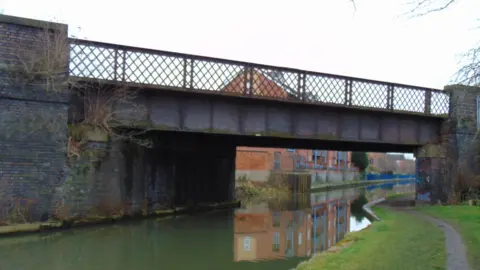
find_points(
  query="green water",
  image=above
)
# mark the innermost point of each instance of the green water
(260, 235)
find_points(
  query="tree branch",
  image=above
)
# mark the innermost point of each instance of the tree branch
(469, 73)
(430, 5)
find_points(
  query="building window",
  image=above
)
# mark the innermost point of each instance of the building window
(289, 242)
(277, 162)
(276, 242)
(341, 156)
(298, 215)
(291, 150)
(300, 238)
(319, 156)
(371, 161)
(276, 219)
(246, 243)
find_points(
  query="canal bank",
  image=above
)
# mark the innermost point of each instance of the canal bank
(432, 237)
(396, 237)
(251, 190)
(348, 184)
(253, 193)
(59, 225)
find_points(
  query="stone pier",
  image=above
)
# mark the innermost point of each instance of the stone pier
(444, 167)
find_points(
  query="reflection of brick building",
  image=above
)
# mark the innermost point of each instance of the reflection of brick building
(272, 235)
(331, 222)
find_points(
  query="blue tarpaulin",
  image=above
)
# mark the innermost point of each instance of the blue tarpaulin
(371, 177)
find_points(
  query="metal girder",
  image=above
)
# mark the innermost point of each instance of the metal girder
(238, 116)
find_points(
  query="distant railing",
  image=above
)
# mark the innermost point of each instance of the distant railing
(185, 72)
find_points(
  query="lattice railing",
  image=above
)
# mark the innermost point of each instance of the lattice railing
(195, 73)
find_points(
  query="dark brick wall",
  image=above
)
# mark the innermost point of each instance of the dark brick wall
(33, 123)
(125, 177)
(456, 156)
(464, 118)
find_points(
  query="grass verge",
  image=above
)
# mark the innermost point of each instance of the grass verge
(466, 219)
(399, 241)
(399, 195)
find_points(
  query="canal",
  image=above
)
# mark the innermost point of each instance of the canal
(259, 235)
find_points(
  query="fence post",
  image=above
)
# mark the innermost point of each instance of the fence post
(348, 92)
(124, 64)
(428, 101)
(390, 101)
(115, 65)
(192, 73)
(302, 87)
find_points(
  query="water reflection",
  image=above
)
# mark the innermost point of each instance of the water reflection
(260, 235)
(272, 235)
(266, 233)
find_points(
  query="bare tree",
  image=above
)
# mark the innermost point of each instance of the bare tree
(469, 73)
(424, 7)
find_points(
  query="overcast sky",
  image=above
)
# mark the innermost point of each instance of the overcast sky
(375, 41)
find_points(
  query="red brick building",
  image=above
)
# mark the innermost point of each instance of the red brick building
(256, 163)
(396, 163)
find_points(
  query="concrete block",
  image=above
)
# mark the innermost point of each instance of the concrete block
(335, 177)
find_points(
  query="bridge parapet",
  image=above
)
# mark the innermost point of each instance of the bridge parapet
(174, 71)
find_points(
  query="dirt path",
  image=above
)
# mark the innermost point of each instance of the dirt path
(456, 251)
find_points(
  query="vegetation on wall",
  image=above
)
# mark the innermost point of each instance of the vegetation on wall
(103, 110)
(98, 111)
(247, 190)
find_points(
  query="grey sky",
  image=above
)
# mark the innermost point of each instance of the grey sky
(374, 41)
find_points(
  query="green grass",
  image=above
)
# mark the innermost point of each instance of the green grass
(400, 241)
(399, 195)
(466, 219)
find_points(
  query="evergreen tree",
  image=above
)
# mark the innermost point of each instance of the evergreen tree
(360, 160)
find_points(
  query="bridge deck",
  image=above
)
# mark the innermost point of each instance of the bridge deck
(137, 66)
